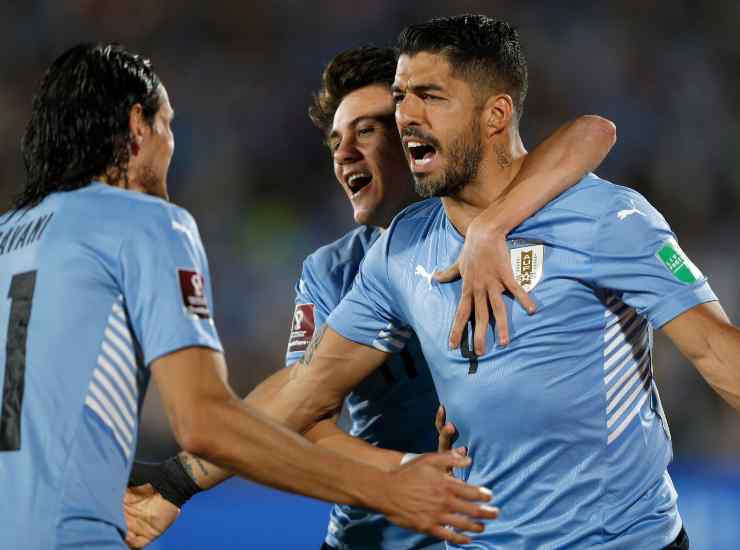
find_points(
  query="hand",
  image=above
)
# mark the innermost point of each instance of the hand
(148, 515)
(421, 496)
(485, 267)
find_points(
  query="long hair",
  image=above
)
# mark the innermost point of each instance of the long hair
(79, 126)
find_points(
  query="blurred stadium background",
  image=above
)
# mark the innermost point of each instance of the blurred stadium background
(253, 171)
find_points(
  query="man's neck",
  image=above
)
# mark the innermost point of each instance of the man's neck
(496, 171)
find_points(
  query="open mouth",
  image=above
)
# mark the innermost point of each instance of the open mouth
(421, 153)
(358, 181)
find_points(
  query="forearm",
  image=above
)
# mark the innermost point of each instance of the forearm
(555, 165)
(328, 435)
(253, 446)
(720, 365)
(206, 474)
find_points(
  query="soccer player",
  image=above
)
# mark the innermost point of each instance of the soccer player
(107, 283)
(564, 423)
(393, 408)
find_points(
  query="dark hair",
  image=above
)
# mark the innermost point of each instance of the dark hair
(79, 125)
(348, 71)
(484, 51)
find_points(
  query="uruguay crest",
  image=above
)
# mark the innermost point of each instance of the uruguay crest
(527, 263)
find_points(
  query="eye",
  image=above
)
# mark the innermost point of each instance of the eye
(367, 130)
(397, 98)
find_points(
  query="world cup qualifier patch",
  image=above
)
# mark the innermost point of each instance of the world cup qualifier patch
(301, 330)
(678, 263)
(193, 291)
(527, 263)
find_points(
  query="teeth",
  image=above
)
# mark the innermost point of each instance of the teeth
(414, 144)
(353, 177)
(422, 162)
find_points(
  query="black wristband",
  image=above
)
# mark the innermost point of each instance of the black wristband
(169, 479)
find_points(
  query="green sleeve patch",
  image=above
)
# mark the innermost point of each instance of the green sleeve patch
(678, 263)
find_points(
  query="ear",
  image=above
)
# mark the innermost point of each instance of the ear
(138, 127)
(497, 114)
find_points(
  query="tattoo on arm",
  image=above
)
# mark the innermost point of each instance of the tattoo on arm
(202, 466)
(318, 335)
(185, 461)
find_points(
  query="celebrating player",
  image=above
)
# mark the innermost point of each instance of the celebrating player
(106, 282)
(564, 423)
(393, 408)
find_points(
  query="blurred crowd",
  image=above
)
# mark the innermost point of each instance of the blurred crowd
(253, 171)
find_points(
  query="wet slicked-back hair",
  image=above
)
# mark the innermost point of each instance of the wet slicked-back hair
(483, 51)
(79, 125)
(348, 71)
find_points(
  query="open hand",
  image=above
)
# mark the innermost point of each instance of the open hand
(485, 267)
(423, 497)
(148, 515)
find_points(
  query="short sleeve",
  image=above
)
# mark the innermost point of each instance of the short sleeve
(370, 313)
(166, 284)
(637, 256)
(316, 296)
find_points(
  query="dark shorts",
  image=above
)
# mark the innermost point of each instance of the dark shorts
(681, 543)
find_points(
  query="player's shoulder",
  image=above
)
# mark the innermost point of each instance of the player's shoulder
(342, 254)
(596, 198)
(134, 214)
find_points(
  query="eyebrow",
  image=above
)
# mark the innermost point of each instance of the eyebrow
(419, 88)
(382, 117)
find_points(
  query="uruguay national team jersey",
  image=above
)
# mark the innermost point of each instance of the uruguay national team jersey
(393, 408)
(564, 425)
(95, 284)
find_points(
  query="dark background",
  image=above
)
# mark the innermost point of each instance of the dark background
(252, 170)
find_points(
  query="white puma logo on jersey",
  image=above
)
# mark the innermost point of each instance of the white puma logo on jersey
(424, 274)
(177, 226)
(622, 214)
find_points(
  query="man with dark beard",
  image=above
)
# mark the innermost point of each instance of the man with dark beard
(391, 412)
(107, 284)
(564, 423)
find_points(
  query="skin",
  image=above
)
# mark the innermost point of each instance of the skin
(363, 138)
(704, 333)
(210, 421)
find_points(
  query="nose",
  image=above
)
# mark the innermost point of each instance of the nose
(409, 112)
(346, 152)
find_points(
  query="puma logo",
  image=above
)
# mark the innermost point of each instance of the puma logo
(424, 274)
(622, 214)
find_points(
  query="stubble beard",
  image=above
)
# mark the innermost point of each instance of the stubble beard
(463, 161)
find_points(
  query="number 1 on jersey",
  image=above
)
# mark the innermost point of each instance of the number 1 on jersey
(20, 294)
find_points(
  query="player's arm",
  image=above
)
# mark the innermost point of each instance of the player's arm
(554, 166)
(210, 421)
(705, 335)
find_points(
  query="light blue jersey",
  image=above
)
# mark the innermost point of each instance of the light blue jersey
(393, 408)
(95, 284)
(564, 424)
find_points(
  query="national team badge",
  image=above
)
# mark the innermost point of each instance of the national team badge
(527, 263)
(193, 291)
(301, 330)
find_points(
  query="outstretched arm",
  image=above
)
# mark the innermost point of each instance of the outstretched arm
(555, 165)
(705, 335)
(209, 421)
